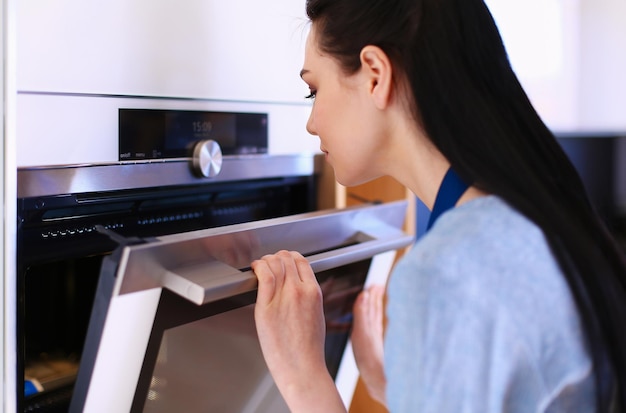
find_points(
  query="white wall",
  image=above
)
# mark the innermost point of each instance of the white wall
(570, 58)
(603, 65)
(79, 61)
(542, 39)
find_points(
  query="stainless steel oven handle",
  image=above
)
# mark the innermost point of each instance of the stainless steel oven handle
(202, 284)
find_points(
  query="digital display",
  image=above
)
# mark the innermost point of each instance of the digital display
(184, 129)
(158, 134)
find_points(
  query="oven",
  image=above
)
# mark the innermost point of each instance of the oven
(134, 286)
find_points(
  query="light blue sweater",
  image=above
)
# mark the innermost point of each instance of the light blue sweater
(480, 319)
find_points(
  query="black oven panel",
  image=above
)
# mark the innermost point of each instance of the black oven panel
(62, 241)
(146, 134)
(60, 226)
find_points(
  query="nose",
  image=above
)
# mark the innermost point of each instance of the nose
(310, 125)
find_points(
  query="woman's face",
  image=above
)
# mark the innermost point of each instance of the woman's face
(343, 117)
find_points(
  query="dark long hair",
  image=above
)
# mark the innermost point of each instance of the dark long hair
(472, 107)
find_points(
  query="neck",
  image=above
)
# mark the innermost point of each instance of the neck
(413, 160)
(471, 193)
(422, 167)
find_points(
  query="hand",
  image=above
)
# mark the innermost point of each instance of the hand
(367, 340)
(290, 325)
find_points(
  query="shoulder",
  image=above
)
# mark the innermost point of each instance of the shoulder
(486, 221)
(487, 254)
(483, 236)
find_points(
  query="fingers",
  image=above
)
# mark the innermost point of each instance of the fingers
(369, 308)
(305, 271)
(266, 279)
(367, 340)
(275, 271)
(290, 267)
(377, 297)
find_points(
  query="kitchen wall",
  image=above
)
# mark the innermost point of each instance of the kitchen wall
(542, 40)
(569, 58)
(78, 62)
(603, 64)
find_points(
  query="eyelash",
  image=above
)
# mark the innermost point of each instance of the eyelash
(311, 95)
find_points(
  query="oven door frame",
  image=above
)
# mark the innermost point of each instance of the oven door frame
(210, 268)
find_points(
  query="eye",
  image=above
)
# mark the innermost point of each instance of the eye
(311, 95)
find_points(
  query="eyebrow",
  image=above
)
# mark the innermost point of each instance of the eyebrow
(303, 72)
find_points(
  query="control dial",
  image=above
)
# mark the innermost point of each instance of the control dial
(207, 158)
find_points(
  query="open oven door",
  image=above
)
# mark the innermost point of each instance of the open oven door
(172, 328)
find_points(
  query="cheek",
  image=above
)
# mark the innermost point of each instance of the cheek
(352, 162)
(359, 155)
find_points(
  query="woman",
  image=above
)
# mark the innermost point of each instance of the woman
(515, 298)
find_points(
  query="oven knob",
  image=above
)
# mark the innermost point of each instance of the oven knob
(207, 158)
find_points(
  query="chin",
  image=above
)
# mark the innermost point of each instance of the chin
(349, 181)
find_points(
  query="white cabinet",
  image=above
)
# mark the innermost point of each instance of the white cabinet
(80, 61)
(210, 49)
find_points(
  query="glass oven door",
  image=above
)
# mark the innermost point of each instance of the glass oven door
(172, 328)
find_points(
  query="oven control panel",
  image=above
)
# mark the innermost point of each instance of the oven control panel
(149, 134)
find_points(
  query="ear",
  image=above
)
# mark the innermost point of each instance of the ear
(377, 67)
